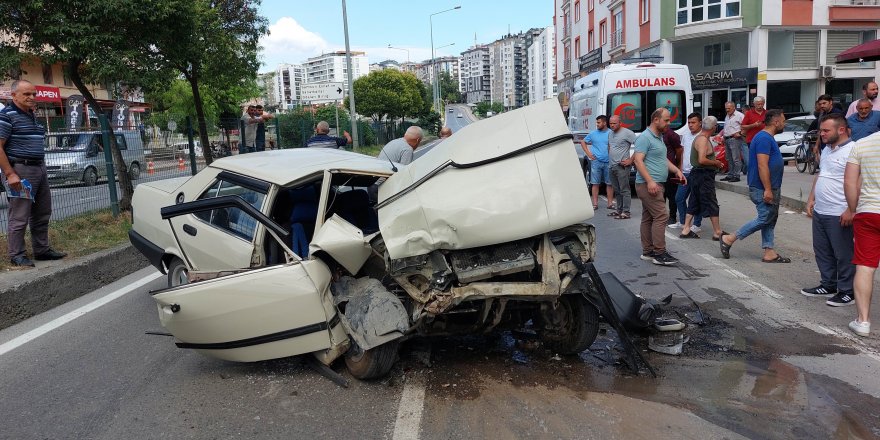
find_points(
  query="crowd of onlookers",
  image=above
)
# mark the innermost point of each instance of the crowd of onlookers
(679, 168)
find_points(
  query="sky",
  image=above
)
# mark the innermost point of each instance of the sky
(301, 29)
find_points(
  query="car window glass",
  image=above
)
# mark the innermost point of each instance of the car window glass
(674, 102)
(629, 106)
(120, 142)
(233, 220)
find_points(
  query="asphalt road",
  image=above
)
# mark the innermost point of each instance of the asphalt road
(452, 119)
(771, 363)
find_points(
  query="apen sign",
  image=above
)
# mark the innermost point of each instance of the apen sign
(47, 94)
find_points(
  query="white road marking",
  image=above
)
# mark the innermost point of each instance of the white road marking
(742, 277)
(671, 236)
(61, 320)
(409, 412)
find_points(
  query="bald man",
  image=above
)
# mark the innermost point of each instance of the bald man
(445, 132)
(400, 150)
(869, 92)
(322, 138)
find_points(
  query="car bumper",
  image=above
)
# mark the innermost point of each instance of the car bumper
(149, 250)
(63, 175)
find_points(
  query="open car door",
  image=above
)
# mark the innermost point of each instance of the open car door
(252, 315)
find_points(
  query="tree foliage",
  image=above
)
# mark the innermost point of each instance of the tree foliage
(389, 94)
(482, 107)
(449, 88)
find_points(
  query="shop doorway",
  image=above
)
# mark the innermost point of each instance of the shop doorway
(713, 103)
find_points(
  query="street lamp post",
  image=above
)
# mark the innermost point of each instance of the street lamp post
(354, 127)
(434, 81)
(440, 86)
(400, 48)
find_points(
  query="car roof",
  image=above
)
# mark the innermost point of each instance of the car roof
(282, 167)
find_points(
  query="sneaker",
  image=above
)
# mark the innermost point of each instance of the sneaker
(841, 299)
(860, 328)
(664, 259)
(818, 291)
(647, 256)
(696, 229)
(675, 225)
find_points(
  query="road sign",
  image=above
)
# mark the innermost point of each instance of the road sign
(322, 92)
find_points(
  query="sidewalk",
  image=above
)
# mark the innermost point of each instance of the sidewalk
(795, 187)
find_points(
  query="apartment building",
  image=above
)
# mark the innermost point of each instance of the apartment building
(448, 64)
(287, 84)
(541, 66)
(387, 64)
(507, 72)
(475, 74)
(332, 67)
(735, 49)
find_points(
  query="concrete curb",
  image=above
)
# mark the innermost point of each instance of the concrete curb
(789, 202)
(26, 293)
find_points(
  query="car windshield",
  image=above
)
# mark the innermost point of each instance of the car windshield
(69, 142)
(797, 124)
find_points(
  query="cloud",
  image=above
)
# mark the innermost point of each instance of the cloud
(289, 42)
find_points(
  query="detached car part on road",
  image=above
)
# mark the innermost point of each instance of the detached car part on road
(282, 253)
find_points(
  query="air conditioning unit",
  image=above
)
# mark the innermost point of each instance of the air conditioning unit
(827, 71)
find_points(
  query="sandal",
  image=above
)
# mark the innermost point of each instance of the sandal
(622, 216)
(613, 214)
(690, 234)
(725, 248)
(718, 238)
(778, 259)
(595, 207)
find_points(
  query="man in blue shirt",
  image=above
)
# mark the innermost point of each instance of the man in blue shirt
(765, 181)
(598, 155)
(21, 160)
(865, 122)
(322, 139)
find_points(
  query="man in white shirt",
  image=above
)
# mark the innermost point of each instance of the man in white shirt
(832, 219)
(870, 92)
(733, 141)
(687, 134)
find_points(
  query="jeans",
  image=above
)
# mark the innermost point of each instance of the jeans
(681, 197)
(620, 183)
(745, 151)
(599, 172)
(733, 148)
(766, 219)
(833, 246)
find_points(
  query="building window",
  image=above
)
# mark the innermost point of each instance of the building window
(716, 54)
(591, 40)
(589, 5)
(617, 29)
(577, 11)
(644, 11)
(47, 73)
(577, 47)
(695, 11)
(603, 37)
(66, 77)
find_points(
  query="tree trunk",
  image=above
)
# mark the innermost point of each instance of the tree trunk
(119, 164)
(200, 117)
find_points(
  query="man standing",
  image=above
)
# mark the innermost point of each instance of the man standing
(869, 92)
(322, 138)
(687, 134)
(865, 121)
(752, 123)
(825, 104)
(249, 124)
(21, 159)
(619, 141)
(260, 140)
(765, 181)
(703, 201)
(733, 141)
(653, 168)
(863, 166)
(832, 219)
(400, 150)
(673, 152)
(598, 155)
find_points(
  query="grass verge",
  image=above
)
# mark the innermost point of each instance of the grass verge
(81, 235)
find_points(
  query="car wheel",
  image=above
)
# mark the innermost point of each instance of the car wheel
(572, 327)
(177, 273)
(373, 363)
(134, 171)
(90, 176)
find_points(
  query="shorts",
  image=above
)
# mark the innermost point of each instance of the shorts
(600, 172)
(866, 233)
(702, 200)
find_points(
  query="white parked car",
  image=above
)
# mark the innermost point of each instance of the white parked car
(790, 138)
(286, 252)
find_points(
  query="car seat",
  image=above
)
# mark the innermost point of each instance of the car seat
(354, 206)
(304, 211)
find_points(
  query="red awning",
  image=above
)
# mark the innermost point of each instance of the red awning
(48, 94)
(869, 51)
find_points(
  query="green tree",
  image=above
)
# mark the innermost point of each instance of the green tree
(328, 113)
(449, 86)
(389, 94)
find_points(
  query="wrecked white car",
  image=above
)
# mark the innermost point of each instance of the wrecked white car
(282, 253)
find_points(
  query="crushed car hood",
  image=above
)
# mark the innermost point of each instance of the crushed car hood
(511, 176)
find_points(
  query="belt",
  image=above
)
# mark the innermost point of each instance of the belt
(29, 162)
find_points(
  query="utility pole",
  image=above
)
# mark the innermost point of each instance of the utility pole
(354, 127)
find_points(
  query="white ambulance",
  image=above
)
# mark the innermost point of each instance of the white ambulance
(633, 92)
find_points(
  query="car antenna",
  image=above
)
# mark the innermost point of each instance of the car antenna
(393, 168)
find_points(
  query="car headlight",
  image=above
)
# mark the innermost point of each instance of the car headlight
(69, 166)
(793, 142)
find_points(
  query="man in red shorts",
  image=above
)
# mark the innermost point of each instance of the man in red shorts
(864, 163)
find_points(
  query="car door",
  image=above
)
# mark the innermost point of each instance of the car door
(252, 315)
(223, 238)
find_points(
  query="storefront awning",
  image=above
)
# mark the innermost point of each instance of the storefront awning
(869, 51)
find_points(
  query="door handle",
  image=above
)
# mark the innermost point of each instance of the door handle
(190, 230)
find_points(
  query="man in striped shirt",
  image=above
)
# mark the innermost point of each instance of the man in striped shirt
(322, 138)
(21, 159)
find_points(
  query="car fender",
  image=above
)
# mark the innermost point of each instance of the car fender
(373, 315)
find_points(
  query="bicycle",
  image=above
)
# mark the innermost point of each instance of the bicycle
(805, 160)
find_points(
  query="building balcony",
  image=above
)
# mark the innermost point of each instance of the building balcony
(616, 45)
(848, 11)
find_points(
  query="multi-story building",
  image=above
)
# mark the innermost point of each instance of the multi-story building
(287, 86)
(331, 67)
(735, 49)
(507, 73)
(475, 72)
(541, 66)
(446, 64)
(387, 64)
(266, 84)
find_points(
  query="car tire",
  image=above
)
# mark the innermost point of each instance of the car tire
(90, 176)
(373, 363)
(134, 171)
(572, 327)
(177, 273)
